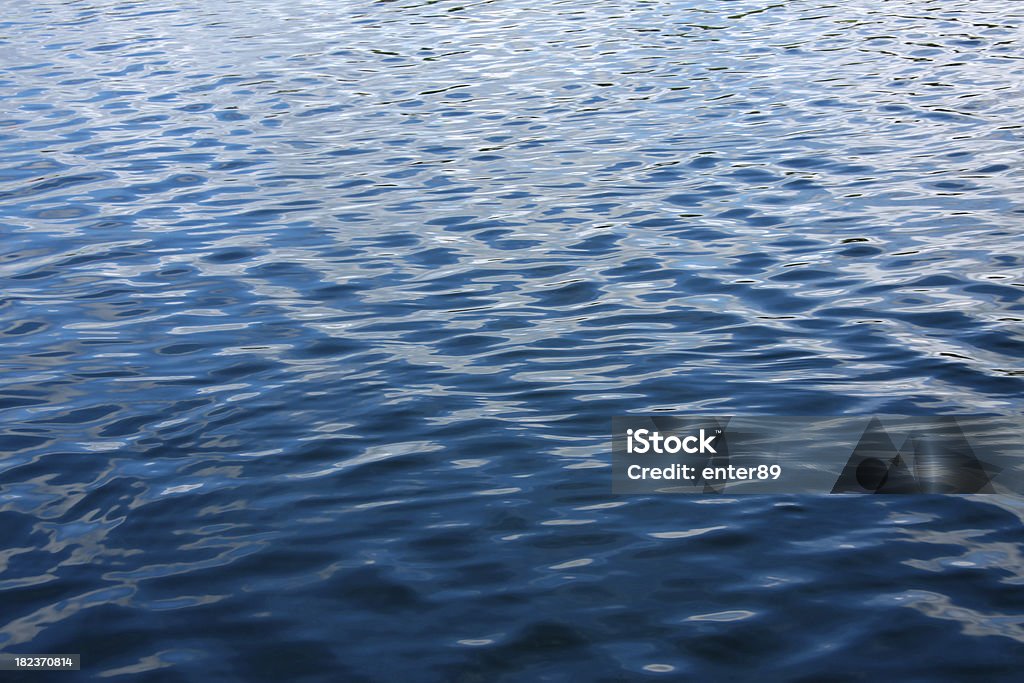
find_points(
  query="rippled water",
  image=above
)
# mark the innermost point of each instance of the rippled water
(314, 316)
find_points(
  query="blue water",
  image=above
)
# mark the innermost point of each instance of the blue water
(314, 316)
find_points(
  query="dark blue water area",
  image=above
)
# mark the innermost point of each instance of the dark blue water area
(314, 316)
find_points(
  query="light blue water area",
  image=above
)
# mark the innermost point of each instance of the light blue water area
(314, 316)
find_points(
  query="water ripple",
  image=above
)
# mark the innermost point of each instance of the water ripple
(314, 316)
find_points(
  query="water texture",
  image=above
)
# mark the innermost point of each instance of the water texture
(314, 316)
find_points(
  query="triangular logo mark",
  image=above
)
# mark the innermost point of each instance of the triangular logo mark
(875, 466)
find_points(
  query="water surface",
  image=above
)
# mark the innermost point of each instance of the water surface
(314, 316)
